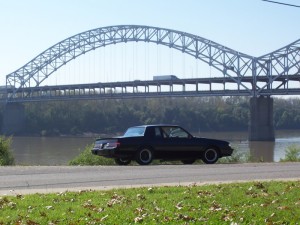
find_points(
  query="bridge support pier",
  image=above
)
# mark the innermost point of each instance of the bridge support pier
(261, 127)
(13, 118)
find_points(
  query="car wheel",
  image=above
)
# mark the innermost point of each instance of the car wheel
(210, 155)
(144, 156)
(188, 161)
(122, 162)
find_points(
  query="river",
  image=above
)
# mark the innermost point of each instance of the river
(59, 150)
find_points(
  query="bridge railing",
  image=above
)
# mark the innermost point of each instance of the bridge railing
(150, 88)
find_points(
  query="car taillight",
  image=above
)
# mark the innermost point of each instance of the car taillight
(97, 145)
(112, 145)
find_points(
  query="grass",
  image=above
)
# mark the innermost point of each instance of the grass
(239, 203)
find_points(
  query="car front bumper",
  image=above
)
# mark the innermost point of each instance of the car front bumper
(227, 151)
(110, 153)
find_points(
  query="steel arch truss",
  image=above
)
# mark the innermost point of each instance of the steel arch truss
(280, 68)
(233, 65)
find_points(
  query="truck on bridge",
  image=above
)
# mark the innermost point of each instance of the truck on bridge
(165, 77)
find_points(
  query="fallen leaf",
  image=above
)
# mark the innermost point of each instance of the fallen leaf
(259, 185)
(283, 207)
(31, 222)
(140, 197)
(139, 210)
(103, 218)
(179, 205)
(138, 219)
(274, 201)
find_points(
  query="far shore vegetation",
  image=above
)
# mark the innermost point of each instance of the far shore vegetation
(111, 116)
(274, 202)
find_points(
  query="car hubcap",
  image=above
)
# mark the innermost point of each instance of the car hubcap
(211, 155)
(145, 156)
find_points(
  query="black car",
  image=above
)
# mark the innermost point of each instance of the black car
(164, 142)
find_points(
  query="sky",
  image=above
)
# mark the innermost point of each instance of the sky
(253, 27)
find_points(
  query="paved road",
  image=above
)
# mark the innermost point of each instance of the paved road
(31, 179)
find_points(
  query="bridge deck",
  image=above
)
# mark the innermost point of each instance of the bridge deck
(216, 86)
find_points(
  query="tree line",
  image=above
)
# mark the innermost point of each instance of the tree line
(113, 116)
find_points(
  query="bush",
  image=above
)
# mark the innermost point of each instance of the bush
(6, 156)
(292, 154)
(87, 158)
(236, 157)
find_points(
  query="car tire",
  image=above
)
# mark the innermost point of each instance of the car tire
(188, 161)
(144, 156)
(210, 155)
(122, 162)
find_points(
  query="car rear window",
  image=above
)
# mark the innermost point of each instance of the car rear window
(135, 132)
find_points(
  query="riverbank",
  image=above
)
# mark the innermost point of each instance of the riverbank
(60, 150)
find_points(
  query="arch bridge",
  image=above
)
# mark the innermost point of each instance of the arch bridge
(276, 73)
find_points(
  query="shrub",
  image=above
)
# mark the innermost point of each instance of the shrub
(236, 157)
(6, 156)
(87, 158)
(292, 154)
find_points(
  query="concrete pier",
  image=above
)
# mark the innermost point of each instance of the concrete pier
(13, 118)
(261, 127)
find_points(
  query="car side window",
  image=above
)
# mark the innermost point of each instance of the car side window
(174, 132)
(178, 132)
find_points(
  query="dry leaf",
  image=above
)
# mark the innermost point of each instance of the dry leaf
(138, 219)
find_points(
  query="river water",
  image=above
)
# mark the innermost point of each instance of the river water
(59, 150)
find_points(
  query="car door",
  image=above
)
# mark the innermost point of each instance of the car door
(178, 143)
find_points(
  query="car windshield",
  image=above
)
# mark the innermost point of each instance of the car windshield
(134, 132)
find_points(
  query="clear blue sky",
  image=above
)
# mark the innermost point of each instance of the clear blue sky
(250, 26)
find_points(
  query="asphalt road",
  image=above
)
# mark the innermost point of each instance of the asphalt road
(43, 179)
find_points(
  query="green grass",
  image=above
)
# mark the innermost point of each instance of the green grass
(239, 203)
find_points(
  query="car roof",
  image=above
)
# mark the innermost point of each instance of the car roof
(157, 125)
